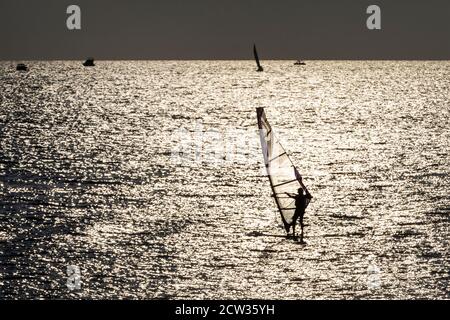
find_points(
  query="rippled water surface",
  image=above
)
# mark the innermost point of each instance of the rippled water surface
(91, 175)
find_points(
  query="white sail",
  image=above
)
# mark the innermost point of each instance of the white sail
(283, 175)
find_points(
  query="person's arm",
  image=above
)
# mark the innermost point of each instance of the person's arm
(290, 195)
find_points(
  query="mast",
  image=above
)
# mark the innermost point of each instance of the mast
(262, 131)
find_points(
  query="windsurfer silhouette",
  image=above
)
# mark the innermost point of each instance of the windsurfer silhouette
(301, 202)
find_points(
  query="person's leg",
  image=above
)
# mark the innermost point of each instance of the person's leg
(301, 226)
(301, 221)
(294, 221)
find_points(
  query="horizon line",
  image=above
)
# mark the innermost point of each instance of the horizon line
(210, 59)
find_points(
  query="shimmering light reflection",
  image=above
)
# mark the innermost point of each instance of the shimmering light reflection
(87, 178)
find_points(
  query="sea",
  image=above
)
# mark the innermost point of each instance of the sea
(144, 180)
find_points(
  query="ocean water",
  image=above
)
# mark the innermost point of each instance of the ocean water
(143, 180)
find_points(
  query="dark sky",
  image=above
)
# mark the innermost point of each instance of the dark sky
(213, 29)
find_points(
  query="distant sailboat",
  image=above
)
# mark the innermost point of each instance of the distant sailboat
(89, 62)
(21, 67)
(299, 63)
(255, 53)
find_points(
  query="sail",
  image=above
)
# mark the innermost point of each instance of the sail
(283, 175)
(255, 53)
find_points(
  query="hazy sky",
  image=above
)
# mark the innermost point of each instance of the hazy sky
(213, 29)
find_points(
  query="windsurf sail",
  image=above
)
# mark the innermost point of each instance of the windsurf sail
(283, 175)
(255, 53)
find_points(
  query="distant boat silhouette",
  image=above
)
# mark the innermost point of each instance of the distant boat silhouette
(299, 63)
(89, 62)
(21, 67)
(255, 53)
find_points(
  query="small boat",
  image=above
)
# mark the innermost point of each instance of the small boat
(299, 63)
(255, 53)
(89, 62)
(21, 67)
